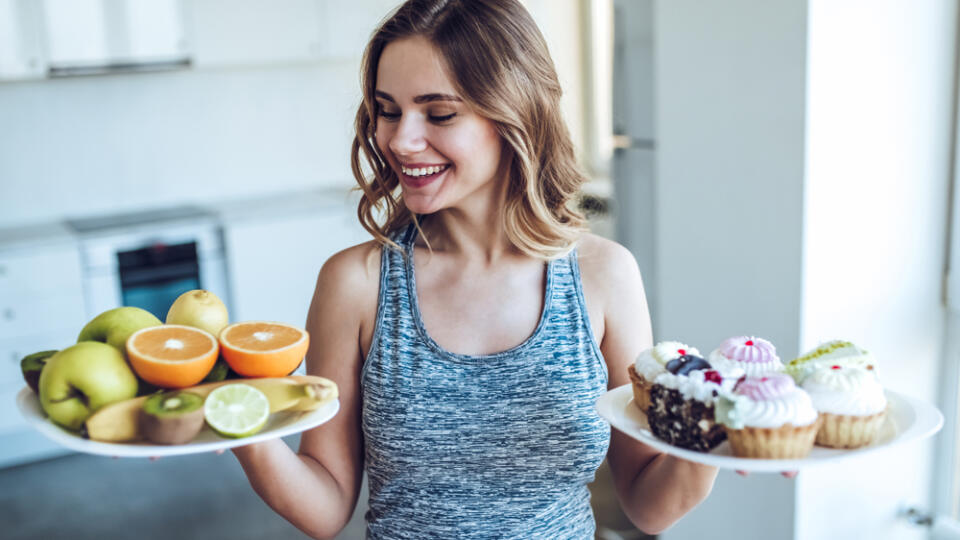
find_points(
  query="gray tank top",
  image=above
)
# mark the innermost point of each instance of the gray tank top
(493, 446)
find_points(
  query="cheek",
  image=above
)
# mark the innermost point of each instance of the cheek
(382, 138)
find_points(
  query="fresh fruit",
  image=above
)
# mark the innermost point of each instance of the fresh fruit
(263, 349)
(81, 379)
(118, 422)
(171, 417)
(114, 326)
(31, 366)
(236, 410)
(172, 355)
(200, 309)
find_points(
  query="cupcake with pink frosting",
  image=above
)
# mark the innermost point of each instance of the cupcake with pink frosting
(769, 417)
(755, 356)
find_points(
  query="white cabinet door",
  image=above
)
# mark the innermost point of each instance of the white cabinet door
(41, 308)
(273, 264)
(95, 33)
(21, 54)
(228, 33)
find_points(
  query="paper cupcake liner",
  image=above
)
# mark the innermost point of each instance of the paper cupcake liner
(848, 431)
(785, 442)
(641, 389)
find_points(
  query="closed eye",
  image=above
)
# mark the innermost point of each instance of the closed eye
(443, 118)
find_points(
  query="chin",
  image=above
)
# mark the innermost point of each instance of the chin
(421, 207)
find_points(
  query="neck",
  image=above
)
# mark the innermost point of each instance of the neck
(474, 229)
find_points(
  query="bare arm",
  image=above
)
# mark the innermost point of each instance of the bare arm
(655, 490)
(316, 488)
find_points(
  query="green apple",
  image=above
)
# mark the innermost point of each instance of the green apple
(114, 326)
(32, 365)
(82, 378)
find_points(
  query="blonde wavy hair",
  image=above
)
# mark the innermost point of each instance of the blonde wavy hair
(499, 65)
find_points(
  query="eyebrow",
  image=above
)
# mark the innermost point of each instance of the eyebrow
(424, 98)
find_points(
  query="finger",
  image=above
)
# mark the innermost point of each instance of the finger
(154, 458)
(218, 452)
(743, 473)
(789, 474)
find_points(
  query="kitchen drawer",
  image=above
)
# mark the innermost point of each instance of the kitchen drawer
(10, 417)
(25, 315)
(13, 350)
(40, 271)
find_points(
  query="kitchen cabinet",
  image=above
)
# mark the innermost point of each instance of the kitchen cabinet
(41, 307)
(94, 36)
(273, 262)
(21, 50)
(236, 33)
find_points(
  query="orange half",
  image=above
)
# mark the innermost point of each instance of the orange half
(172, 355)
(263, 349)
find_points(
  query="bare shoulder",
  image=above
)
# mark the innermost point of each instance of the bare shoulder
(349, 282)
(352, 267)
(610, 275)
(605, 265)
(344, 303)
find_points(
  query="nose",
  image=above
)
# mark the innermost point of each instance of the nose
(408, 138)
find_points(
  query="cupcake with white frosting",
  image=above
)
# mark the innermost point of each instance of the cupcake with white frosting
(755, 356)
(831, 353)
(651, 363)
(768, 417)
(851, 402)
(683, 401)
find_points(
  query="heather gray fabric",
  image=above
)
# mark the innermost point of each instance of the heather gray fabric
(493, 446)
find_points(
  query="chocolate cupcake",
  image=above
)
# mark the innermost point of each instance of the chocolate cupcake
(682, 402)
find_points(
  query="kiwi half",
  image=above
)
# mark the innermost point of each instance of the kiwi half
(171, 417)
(31, 366)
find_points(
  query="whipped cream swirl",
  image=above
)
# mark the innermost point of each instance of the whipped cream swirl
(852, 391)
(766, 402)
(653, 361)
(754, 355)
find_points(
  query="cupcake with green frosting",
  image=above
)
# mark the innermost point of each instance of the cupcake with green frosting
(826, 355)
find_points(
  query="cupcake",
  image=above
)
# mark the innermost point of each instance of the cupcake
(652, 362)
(755, 356)
(831, 353)
(851, 403)
(683, 400)
(768, 417)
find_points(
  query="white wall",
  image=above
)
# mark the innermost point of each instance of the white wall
(803, 165)
(730, 116)
(92, 145)
(880, 113)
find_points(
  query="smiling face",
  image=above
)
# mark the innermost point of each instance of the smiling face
(443, 152)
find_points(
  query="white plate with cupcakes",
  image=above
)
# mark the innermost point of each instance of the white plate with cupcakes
(744, 409)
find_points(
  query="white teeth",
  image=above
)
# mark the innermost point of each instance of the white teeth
(422, 171)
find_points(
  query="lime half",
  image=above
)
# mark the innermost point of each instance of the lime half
(236, 410)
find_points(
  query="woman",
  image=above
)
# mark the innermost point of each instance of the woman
(472, 337)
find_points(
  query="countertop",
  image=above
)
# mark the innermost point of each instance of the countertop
(227, 212)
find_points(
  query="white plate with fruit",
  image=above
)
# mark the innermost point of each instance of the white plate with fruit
(280, 424)
(85, 396)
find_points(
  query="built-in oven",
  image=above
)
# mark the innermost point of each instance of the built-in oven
(148, 259)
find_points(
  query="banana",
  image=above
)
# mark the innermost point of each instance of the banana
(118, 422)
